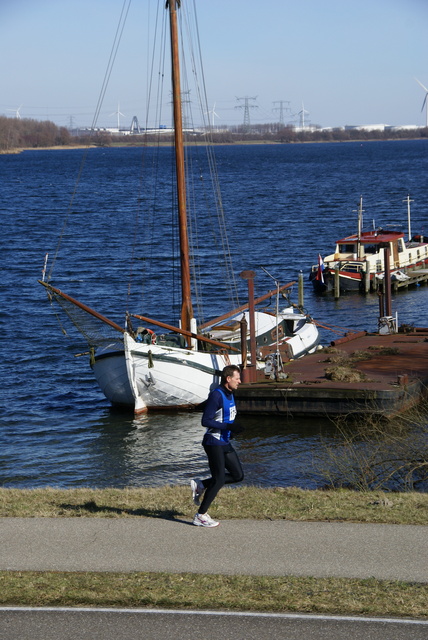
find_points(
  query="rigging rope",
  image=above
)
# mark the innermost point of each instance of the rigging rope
(113, 53)
(220, 234)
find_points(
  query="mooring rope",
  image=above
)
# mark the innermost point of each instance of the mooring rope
(342, 330)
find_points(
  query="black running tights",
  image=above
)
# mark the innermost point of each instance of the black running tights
(225, 468)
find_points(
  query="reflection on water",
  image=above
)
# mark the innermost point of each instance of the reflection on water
(153, 450)
(165, 448)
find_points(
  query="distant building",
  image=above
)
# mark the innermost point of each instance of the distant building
(381, 127)
(366, 127)
(403, 127)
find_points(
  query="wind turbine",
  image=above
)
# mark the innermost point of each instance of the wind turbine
(17, 114)
(118, 113)
(214, 115)
(302, 116)
(424, 104)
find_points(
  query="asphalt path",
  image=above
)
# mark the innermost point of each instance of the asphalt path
(277, 548)
(250, 547)
(104, 624)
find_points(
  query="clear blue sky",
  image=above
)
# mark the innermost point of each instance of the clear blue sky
(348, 61)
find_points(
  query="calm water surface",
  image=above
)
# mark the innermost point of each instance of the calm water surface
(283, 204)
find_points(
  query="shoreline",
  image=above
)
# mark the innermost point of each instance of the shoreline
(200, 143)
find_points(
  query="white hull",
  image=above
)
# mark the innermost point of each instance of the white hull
(167, 377)
(111, 374)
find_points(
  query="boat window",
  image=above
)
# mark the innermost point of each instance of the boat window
(347, 248)
(288, 327)
(370, 248)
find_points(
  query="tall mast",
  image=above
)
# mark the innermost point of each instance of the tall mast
(186, 301)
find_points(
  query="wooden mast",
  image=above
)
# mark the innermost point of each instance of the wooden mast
(186, 301)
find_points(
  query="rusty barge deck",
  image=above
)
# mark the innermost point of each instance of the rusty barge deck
(393, 368)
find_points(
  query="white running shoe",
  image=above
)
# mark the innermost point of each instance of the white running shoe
(197, 490)
(204, 520)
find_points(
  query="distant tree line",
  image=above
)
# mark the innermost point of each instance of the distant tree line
(19, 133)
(288, 134)
(265, 133)
(16, 133)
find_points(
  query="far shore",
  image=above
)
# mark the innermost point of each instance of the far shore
(57, 148)
(202, 143)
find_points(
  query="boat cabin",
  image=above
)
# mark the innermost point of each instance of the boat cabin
(369, 243)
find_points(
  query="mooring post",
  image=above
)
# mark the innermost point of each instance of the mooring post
(367, 277)
(381, 305)
(250, 373)
(387, 281)
(301, 296)
(336, 283)
(244, 327)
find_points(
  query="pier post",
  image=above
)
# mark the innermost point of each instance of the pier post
(387, 281)
(251, 370)
(381, 305)
(367, 277)
(244, 327)
(301, 297)
(336, 283)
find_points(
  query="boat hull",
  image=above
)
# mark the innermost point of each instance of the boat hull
(109, 367)
(347, 282)
(167, 377)
(357, 282)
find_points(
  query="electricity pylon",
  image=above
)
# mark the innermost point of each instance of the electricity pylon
(247, 106)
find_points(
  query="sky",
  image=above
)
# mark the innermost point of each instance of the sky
(348, 62)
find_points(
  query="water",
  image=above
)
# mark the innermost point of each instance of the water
(284, 204)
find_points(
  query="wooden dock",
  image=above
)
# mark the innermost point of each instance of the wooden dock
(416, 277)
(392, 371)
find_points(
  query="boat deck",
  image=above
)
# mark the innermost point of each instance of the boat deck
(394, 376)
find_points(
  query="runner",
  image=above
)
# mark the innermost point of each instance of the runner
(225, 466)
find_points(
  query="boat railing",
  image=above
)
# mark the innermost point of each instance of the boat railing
(352, 267)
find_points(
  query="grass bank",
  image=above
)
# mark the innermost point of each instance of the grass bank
(243, 502)
(215, 592)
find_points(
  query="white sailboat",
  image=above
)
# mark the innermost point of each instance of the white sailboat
(157, 365)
